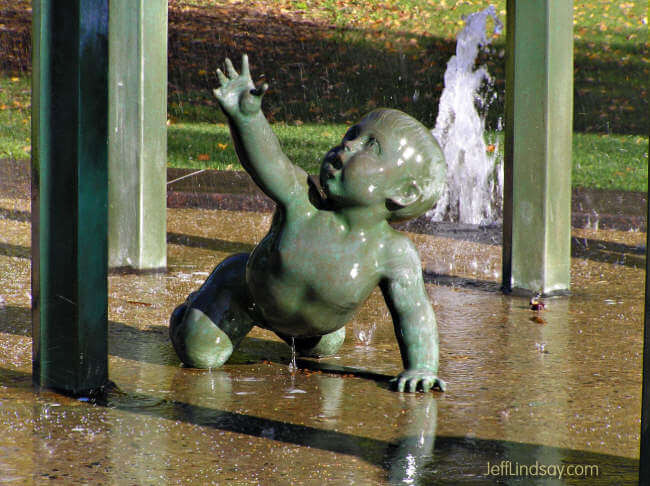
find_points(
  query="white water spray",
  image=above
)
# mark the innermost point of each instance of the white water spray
(474, 191)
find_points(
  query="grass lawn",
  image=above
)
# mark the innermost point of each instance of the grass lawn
(15, 106)
(599, 161)
(330, 61)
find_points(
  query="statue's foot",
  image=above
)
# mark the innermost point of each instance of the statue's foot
(418, 379)
(198, 341)
(319, 346)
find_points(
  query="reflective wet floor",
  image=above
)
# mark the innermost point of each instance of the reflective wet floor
(548, 396)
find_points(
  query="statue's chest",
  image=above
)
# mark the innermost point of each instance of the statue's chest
(330, 262)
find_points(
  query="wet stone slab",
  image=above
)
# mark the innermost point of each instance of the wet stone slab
(558, 387)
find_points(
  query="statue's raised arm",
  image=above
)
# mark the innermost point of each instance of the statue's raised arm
(257, 146)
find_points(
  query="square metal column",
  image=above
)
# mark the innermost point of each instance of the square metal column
(539, 117)
(138, 134)
(69, 194)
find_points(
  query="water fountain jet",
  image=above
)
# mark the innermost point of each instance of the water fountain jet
(474, 189)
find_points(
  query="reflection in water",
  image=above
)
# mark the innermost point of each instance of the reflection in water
(406, 463)
(190, 385)
(139, 438)
(404, 459)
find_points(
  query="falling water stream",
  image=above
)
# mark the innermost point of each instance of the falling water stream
(292, 364)
(474, 175)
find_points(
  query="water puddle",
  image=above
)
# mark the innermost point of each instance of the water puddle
(554, 386)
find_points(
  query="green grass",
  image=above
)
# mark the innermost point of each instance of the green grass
(610, 161)
(204, 145)
(15, 98)
(599, 161)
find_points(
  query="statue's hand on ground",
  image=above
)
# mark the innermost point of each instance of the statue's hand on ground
(237, 95)
(418, 379)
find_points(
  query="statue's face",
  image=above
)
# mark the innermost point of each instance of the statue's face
(365, 168)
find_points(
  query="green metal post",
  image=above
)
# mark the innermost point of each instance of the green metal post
(539, 114)
(69, 194)
(137, 135)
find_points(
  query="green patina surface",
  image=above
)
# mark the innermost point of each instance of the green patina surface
(328, 247)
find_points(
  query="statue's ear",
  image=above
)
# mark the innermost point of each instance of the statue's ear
(406, 193)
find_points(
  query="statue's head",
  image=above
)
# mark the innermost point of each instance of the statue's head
(390, 158)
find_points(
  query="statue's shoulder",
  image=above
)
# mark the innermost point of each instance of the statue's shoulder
(399, 250)
(398, 240)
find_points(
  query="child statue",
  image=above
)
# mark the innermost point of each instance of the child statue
(327, 247)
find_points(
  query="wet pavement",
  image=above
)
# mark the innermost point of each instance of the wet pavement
(555, 388)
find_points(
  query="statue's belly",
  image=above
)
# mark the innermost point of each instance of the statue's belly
(301, 295)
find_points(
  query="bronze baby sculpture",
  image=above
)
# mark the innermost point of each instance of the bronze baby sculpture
(328, 248)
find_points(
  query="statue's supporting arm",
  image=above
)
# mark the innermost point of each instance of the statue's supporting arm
(414, 321)
(257, 146)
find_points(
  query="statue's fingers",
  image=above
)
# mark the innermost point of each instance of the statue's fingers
(223, 80)
(245, 71)
(413, 385)
(401, 382)
(427, 384)
(261, 90)
(217, 93)
(230, 69)
(441, 384)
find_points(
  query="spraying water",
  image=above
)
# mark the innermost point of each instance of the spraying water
(474, 190)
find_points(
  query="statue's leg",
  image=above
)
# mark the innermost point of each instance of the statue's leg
(319, 346)
(209, 325)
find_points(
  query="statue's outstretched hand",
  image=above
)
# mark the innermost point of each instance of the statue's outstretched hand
(418, 379)
(237, 95)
